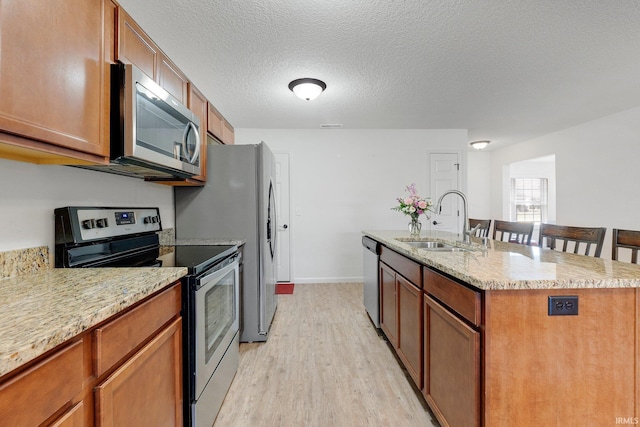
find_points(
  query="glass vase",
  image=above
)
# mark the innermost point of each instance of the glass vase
(414, 227)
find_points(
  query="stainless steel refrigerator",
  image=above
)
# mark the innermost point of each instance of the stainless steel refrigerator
(238, 202)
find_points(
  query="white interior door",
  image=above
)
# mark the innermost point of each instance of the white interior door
(445, 171)
(283, 266)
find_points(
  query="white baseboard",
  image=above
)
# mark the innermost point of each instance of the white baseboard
(302, 280)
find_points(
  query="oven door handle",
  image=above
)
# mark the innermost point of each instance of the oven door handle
(230, 264)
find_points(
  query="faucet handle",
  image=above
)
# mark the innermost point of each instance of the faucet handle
(473, 230)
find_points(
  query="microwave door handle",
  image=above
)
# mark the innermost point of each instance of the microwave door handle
(196, 153)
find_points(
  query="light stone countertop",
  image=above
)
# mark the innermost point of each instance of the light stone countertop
(42, 310)
(510, 266)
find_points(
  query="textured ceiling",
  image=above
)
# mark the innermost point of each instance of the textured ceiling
(506, 70)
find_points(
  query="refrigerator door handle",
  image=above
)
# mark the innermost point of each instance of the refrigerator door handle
(275, 222)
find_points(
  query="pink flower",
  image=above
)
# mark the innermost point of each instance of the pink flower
(422, 204)
(408, 201)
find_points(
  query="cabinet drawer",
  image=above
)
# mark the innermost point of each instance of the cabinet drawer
(459, 298)
(119, 337)
(41, 391)
(409, 269)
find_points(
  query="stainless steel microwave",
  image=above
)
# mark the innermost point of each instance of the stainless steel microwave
(153, 135)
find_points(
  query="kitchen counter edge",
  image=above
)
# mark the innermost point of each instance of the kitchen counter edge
(40, 311)
(509, 266)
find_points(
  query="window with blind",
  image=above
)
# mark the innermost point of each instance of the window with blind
(529, 199)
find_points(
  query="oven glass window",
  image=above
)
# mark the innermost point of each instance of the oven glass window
(220, 312)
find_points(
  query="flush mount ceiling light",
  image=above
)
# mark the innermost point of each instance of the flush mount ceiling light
(307, 88)
(479, 145)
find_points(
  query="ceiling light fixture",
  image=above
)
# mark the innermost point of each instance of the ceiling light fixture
(307, 88)
(479, 145)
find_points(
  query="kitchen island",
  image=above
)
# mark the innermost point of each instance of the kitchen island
(474, 329)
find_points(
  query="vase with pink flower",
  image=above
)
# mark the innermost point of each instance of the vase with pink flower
(414, 205)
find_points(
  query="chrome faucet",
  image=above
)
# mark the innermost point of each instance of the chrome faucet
(466, 233)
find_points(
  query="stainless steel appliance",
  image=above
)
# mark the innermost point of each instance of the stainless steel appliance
(211, 326)
(238, 202)
(125, 237)
(371, 255)
(153, 135)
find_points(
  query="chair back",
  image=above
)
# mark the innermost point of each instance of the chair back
(628, 239)
(483, 226)
(590, 236)
(514, 232)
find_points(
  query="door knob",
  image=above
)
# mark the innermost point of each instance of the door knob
(285, 226)
(436, 222)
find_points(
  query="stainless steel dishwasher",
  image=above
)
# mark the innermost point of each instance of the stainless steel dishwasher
(371, 254)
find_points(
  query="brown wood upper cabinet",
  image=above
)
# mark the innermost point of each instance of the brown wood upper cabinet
(219, 127)
(214, 121)
(54, 96)
(228, 133)
(136, 47)
(199, 105)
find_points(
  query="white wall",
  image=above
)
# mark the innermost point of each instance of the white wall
(596, 172)
(344, 181)
(29, 193)
(478, 188)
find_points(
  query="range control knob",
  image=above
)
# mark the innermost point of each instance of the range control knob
(88, 224)
(155, 219)
(146, 220)
(102, 223)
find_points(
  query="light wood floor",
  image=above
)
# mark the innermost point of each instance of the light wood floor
(323, 365)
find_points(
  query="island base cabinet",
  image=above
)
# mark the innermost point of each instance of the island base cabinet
(147, 389)
(388, 304)
(452, 367)
(410, 328)
(543, 370)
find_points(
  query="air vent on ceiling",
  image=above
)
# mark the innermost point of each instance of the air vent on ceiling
(331, 126)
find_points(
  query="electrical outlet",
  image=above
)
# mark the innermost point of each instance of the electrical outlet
(563, 306)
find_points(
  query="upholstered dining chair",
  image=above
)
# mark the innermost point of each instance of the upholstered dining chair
(572, 238)
(514, 232)
(483, 226)
(628, 239)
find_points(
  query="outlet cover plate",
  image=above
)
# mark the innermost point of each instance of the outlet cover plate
(563, 305)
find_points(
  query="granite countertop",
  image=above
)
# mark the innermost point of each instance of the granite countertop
(509, 266)
(42, 310)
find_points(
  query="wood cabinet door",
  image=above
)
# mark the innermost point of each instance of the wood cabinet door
(174, 81)
(74, 417)
(452, 367)
(43, 390)
(410, 328)
(214, 122)
(54, 81)
(147, 389)
(135, 46)
(388, 304)
(199, 105)
(228, 134)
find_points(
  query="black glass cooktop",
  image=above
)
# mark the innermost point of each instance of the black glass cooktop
(195, 258)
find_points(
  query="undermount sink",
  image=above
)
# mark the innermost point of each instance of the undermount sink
(428, 245)
(433, 246)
